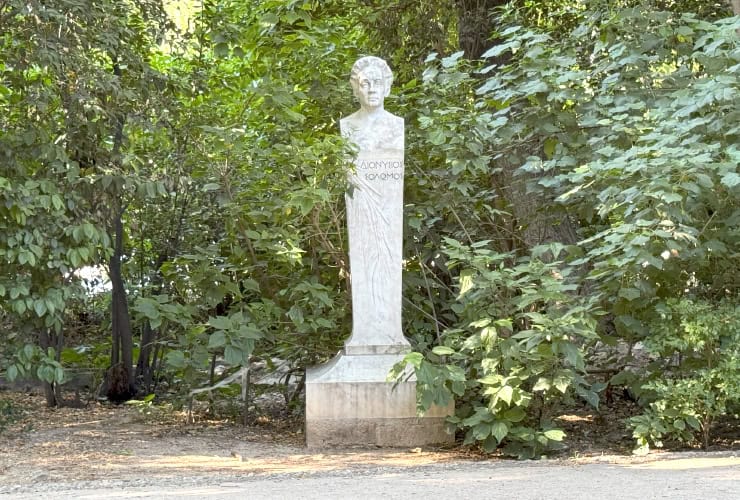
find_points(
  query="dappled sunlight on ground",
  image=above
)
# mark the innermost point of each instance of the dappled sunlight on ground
(293, 463)
(690, 463)
(106, 442)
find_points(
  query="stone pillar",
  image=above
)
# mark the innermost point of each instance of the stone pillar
(349, 400)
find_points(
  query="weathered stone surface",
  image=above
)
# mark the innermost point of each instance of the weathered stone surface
(349, 400)
(390, 432)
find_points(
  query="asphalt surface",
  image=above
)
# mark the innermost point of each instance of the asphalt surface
(681, 476)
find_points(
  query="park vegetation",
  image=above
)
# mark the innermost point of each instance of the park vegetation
(572, 200)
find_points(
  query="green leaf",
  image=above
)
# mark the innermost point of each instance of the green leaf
(629, 293)
(562, 383)
(730, 179)
(441, 350)
(176, 359)
(497, 50)
(217, 340)
(46, 373)
(57, 202)
(549, 146)
(590, 396)
(490, 444)
(505, 394)
(572, 354)
(221, 50)
(148, 307)
(233, 355)
(542, 384)
(450, 61)
(490, 379)
(693, 422)
(249, 332)
(220, 322)
(437, 137)
(499, 430)
(466, 281)
(39, 306)
(414, 359)
(515, 414)
(89, 231)
(269, 19)
(554, 435)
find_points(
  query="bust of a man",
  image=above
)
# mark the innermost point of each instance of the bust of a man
(371, 127)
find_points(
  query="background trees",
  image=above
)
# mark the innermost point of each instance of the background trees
(572, 185)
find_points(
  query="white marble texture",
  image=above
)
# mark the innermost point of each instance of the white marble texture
(375, 213)
(349, 400)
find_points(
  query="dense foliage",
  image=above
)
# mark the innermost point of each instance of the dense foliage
(574, 189)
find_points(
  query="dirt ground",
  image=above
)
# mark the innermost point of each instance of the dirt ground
(39, 444)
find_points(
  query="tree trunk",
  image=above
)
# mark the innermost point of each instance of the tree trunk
(475, 24)
(145, 363)
(50, 393)
(123, 344)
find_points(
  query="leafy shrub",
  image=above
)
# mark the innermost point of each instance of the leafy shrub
(516, 351)
(699, 379)
(32, 362)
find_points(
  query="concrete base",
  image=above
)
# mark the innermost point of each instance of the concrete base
(349, 402)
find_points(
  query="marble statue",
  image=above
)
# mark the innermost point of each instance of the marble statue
(350, 400)
(375, 212)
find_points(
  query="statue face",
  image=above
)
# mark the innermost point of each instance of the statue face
(371, 89)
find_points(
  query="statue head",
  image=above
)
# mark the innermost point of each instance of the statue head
(371, 79)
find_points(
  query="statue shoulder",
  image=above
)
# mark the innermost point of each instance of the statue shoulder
(383, 131)
(393, 124)
(396, 120)
(349, 124)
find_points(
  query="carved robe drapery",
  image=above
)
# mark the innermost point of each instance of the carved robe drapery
(375, 222)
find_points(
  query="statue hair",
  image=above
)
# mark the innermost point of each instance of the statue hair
(369, 61)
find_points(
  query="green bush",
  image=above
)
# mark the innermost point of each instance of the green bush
(699, 379)
(516, 351)
(32, 362)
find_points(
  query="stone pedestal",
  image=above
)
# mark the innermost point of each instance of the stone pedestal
(349, 402)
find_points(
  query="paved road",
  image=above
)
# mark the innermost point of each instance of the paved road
(715, 476)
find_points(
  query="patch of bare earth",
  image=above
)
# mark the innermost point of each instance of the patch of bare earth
(39, 444)
(594, 433)
(116, 442)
